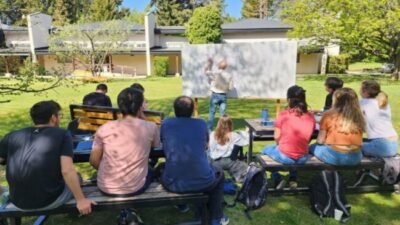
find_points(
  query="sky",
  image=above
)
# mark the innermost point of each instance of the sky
(233, 7)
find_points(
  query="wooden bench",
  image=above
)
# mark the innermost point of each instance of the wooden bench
(90, 118)
(314, 164)
(154, 196)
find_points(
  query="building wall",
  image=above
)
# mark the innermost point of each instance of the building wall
(173, 69)
(309, 63)
(51, 64)
(254, 37)
(129, 64)
(171, 41)
(13, 38)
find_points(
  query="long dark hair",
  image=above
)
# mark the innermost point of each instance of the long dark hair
(296, 96)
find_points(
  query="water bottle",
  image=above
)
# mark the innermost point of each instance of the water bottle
(264, 116)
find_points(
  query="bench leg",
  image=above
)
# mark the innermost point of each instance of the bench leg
(15, 221)
(363, 175)
(205, 216)
(40, 220)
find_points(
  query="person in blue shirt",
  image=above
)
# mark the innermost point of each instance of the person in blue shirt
(187, 168)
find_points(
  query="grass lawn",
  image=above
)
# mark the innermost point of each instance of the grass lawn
(379, 208)
(359, 66)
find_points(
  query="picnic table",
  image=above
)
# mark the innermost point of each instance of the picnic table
(83, 148)
(259, 132)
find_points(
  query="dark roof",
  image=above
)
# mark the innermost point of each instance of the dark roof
(244, 25)
(254, 24)
(15, 51)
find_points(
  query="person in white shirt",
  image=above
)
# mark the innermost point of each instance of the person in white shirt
(382, 137)
(220, 84)
(224, 147)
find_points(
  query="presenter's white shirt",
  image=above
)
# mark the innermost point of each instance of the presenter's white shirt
(220, 81)
(379, 121)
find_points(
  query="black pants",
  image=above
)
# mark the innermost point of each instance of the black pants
(215, 192)
(216, 195)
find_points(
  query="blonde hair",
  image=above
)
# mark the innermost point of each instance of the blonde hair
(224, 127)
(347, 108)
(373, 90)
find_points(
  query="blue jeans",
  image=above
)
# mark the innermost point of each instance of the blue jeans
(274, 152)
(330, 156)
(380, 147)
(216, 100)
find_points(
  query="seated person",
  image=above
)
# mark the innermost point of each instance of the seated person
(98, 98)
(331, 85)
(383, 138)
(139, 87)
(225, 144)
(340, 136)
(293, 131)
(121, 149)
(187, 169)
(39, 168)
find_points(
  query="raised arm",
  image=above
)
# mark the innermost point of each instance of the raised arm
(208, 66)
(71, 178)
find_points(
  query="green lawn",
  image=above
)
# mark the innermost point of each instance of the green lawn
(359, 66)
(379, 208)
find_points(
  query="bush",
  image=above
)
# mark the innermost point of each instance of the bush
(161, 64)
(204, 26)
(338, 64)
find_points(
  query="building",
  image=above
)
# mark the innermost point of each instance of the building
(146, 42)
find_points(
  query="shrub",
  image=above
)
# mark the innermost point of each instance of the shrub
(204, 26)
(338, 64)
(161, 64)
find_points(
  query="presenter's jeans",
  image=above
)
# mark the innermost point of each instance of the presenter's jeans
(380, 147)
(217, 99)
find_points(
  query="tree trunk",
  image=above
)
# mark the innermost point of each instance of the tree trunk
(396, 73)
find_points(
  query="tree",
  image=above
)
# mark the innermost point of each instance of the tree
(136, 17)
(256, 8)
(89, 46)
(104, 10)
(371, 26)
(60, 14)
(204, 26)
(28, 79)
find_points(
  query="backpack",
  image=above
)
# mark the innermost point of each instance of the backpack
(253, 192)
(327, 195)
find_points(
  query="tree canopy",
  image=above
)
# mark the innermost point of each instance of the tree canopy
(362, 26)
(204, 26)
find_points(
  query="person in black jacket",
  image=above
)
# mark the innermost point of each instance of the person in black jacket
(98, 98)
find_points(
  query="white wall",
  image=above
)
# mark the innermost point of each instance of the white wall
(171, 41)
(261, 70)
(38, 27)
(309, 63)
(13, 37)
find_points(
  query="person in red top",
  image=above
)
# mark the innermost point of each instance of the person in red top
(293, 130)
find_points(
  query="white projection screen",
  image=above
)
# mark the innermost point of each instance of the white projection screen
(259, 70)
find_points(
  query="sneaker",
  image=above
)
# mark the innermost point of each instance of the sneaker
(182, 208)
(280, 184)
(129, 217)
(223, 221)
(292, 185)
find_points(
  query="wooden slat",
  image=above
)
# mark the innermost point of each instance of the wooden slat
(315, 164)
(93, 121)
(154, 119)
(91, 114)
(89, 127)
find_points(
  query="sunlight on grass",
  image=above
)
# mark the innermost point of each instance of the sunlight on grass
(161, 92)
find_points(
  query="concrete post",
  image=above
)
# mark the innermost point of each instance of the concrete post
(149, 26)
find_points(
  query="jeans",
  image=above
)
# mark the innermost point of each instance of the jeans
(274, 152)
(330, 156)
(380, 147)
(216, 100)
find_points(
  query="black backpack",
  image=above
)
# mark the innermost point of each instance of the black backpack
(327, 194)
(253, 192)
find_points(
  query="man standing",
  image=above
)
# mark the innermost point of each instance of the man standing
(220, 84)
(187, 168)
(39, 167)
(98, 98)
